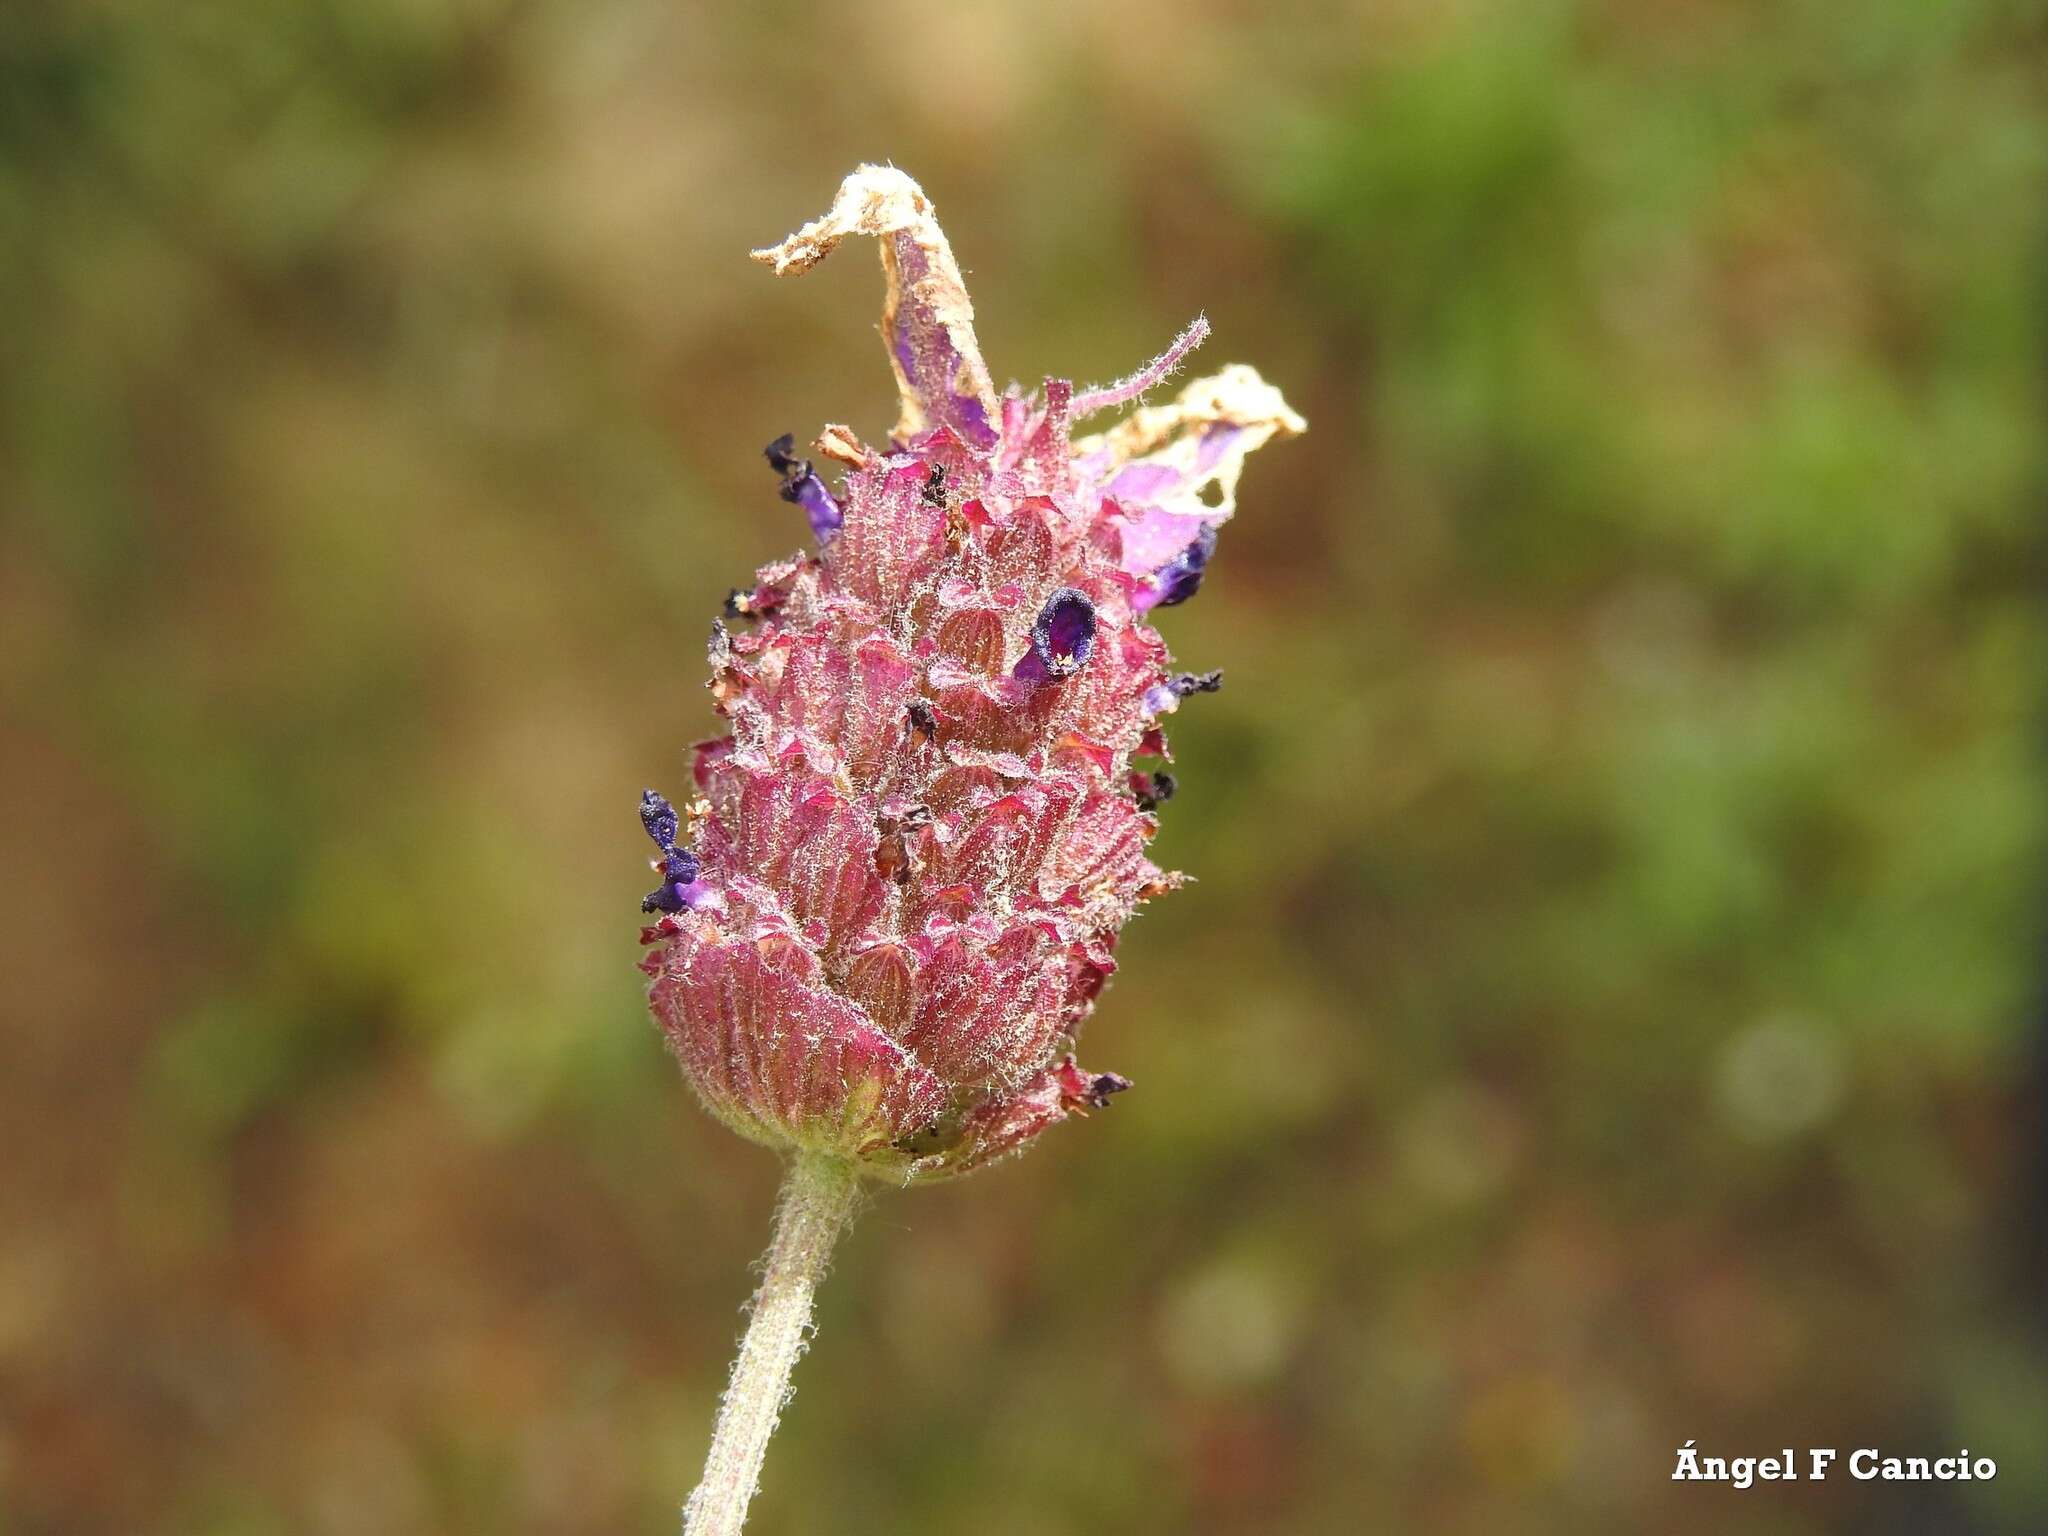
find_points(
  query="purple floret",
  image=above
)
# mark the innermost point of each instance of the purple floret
(659, 818)
(1062, 637)
(1162, 698)
(809, 492)
(679, 884)
(801, 485)
(1181, 577)
(680, 888)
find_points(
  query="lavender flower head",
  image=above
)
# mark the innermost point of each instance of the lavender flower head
(895, 895)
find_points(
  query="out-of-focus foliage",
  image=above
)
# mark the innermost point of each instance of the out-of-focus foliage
(1603, 1019)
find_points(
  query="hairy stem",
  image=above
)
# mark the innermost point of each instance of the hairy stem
(819, 1196)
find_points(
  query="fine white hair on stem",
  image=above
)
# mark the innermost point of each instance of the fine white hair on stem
(818, 1199)
(1088, 402)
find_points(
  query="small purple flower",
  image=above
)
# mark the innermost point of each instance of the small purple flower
(659, 818)
(801, 485)
(1164, 698)
(680, 888)
(1181, 577)
(1062, 637)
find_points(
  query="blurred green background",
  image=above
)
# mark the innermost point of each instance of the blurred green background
(1606, 1016)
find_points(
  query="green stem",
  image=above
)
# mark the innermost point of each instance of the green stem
(819, 1197)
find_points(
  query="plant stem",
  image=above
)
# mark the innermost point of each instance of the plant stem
(819, 1196)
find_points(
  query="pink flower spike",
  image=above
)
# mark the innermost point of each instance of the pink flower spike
(894, 901)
